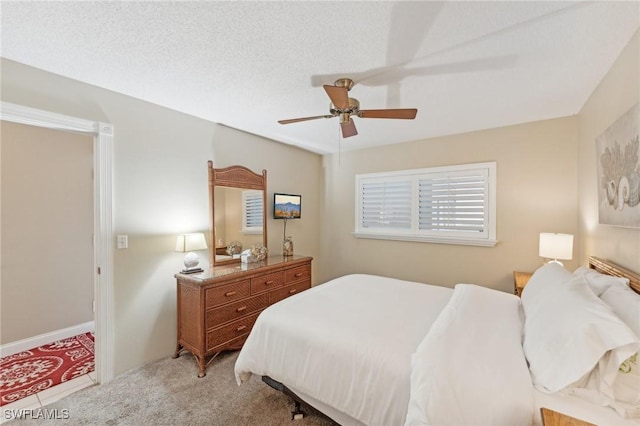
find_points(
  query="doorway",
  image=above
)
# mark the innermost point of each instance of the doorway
(102, 271)
(47, 227)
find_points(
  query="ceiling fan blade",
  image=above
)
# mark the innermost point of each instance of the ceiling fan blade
(295, 120)
(348, 128)
(339, 96)
(408, 113)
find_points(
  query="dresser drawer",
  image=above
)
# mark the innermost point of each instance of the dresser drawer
(267, 282)
(289, 290)
(298, 274)
(236, 310)
(220, 335)
(227, 293)
(231, 345)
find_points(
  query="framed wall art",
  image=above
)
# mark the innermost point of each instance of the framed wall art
(618, 164)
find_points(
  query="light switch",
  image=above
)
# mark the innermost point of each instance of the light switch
(123, 241)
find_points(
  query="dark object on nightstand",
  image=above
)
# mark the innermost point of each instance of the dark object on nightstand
(520, 280)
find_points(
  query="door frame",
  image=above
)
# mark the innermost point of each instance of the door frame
(102, 218)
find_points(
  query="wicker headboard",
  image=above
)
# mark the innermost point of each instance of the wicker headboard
(610, 268)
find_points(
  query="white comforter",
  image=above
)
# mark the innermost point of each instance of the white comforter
(349, 344)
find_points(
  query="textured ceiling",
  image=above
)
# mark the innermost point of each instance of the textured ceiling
(465, 65)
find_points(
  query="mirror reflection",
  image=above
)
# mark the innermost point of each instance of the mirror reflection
(237, 202)
(238, 221)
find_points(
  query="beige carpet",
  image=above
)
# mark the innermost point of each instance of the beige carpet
(167, 392)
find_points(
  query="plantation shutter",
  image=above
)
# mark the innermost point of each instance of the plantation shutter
(252, 211)
(453, 202)
(386, 204)
(448, 204)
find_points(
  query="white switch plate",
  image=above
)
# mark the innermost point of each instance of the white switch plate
(123, 242)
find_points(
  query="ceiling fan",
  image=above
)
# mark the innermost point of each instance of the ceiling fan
(345, 107)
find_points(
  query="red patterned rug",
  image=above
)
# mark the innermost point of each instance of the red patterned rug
(29, 372)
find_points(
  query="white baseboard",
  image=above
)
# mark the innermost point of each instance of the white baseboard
(42, 339)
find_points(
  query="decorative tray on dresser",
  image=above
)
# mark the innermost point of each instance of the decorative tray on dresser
(217, 308)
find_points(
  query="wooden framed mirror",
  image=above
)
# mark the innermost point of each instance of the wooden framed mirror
(236, 196)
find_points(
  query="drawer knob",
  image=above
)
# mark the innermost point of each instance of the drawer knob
(230, 293)
(241, 308)
(242, 327)
(268, 282)
(299, 274)
(293, 290)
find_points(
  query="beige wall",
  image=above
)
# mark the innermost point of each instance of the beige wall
(47, 227)
(536, 192)
(616, 94)
(160, 190)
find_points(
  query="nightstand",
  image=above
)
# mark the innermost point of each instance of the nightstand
(520, 280)
(553, 418)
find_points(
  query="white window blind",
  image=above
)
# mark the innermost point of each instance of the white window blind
(452, 204)
(252, 212)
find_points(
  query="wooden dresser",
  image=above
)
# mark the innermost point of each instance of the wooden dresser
(217, 308)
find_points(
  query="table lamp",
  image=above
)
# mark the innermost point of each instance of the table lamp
(556, 246)
(190, 243)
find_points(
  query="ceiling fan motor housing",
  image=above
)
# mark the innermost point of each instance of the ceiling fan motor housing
(353, 109)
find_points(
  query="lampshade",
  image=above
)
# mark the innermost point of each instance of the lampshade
(556, 246)
(191, 242)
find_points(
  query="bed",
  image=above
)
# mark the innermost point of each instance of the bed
(370, 350)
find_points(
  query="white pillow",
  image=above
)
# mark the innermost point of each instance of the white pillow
(544, 279)
(625, 304)
(598, 282)
(626, 388)
(569, 332)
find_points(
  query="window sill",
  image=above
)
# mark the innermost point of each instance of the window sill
(429, 239)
